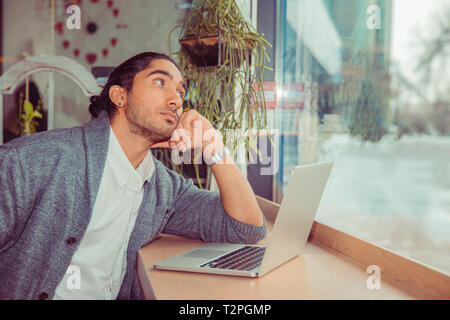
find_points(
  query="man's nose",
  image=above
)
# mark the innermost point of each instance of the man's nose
(175, 100)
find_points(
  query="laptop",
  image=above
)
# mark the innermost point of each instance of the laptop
(286, 241)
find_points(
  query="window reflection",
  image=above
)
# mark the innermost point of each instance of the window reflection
(366, 85)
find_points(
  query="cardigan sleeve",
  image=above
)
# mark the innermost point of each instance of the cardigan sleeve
(13, 196)
(199, 214)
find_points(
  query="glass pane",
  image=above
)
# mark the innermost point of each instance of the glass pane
(367, 86)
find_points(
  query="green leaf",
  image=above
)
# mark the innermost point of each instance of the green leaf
(27, 107)
(37, 114)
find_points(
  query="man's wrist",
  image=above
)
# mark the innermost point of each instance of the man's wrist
(217, 157)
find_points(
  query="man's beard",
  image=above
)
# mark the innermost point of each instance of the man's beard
(141, 124)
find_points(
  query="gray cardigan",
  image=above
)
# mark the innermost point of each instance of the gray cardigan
(49, 182)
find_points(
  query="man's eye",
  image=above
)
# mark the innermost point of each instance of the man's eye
(181, 94)
(159, 82)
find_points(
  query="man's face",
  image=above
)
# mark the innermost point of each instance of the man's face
(154, 103)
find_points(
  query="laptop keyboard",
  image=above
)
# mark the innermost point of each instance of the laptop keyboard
(245, 258)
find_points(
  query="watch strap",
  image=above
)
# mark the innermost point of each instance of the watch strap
(219, 155)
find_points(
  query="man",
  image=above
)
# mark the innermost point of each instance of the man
(80, 202)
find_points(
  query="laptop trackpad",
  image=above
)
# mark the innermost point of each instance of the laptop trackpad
(204, 253)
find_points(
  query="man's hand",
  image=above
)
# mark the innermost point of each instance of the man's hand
(193, 131)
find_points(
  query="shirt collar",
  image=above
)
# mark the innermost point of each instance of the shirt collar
(121, 166)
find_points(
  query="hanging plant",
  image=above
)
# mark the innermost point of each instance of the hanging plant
(223, 59)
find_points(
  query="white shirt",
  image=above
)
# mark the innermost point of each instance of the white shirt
(99, 264)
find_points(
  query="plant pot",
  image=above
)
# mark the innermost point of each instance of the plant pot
(210, 50)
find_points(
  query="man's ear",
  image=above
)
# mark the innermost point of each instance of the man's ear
(118, 95)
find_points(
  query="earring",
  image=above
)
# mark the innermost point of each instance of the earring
(119, 103)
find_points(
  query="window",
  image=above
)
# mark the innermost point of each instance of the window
(365, 84)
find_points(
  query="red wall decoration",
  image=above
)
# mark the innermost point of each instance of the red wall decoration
(90, 27)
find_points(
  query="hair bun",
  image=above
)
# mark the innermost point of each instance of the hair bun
(96, 106)
(94, 99)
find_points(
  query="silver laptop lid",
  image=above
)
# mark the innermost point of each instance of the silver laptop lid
(296, 214)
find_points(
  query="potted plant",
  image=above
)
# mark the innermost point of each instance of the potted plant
(27, 112)
(223, 58)
(26, 118)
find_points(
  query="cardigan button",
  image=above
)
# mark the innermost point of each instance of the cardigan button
(43, 296)
(71, 240)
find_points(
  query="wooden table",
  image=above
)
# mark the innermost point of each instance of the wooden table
(319, 273)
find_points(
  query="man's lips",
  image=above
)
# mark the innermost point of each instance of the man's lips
(173, 116)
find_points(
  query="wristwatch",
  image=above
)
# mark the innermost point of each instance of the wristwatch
(217, 156)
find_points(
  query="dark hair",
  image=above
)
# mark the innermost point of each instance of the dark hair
(123, 75)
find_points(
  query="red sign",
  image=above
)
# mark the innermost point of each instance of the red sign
(270, 94)
(283, 95)
(291, 95)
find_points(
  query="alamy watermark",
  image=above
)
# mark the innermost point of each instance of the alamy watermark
(73, 281)
(374, 19)
(74, 20)
(374, 281)
(263, 147)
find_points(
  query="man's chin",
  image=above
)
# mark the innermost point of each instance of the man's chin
(163, 136)
(154, 134)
